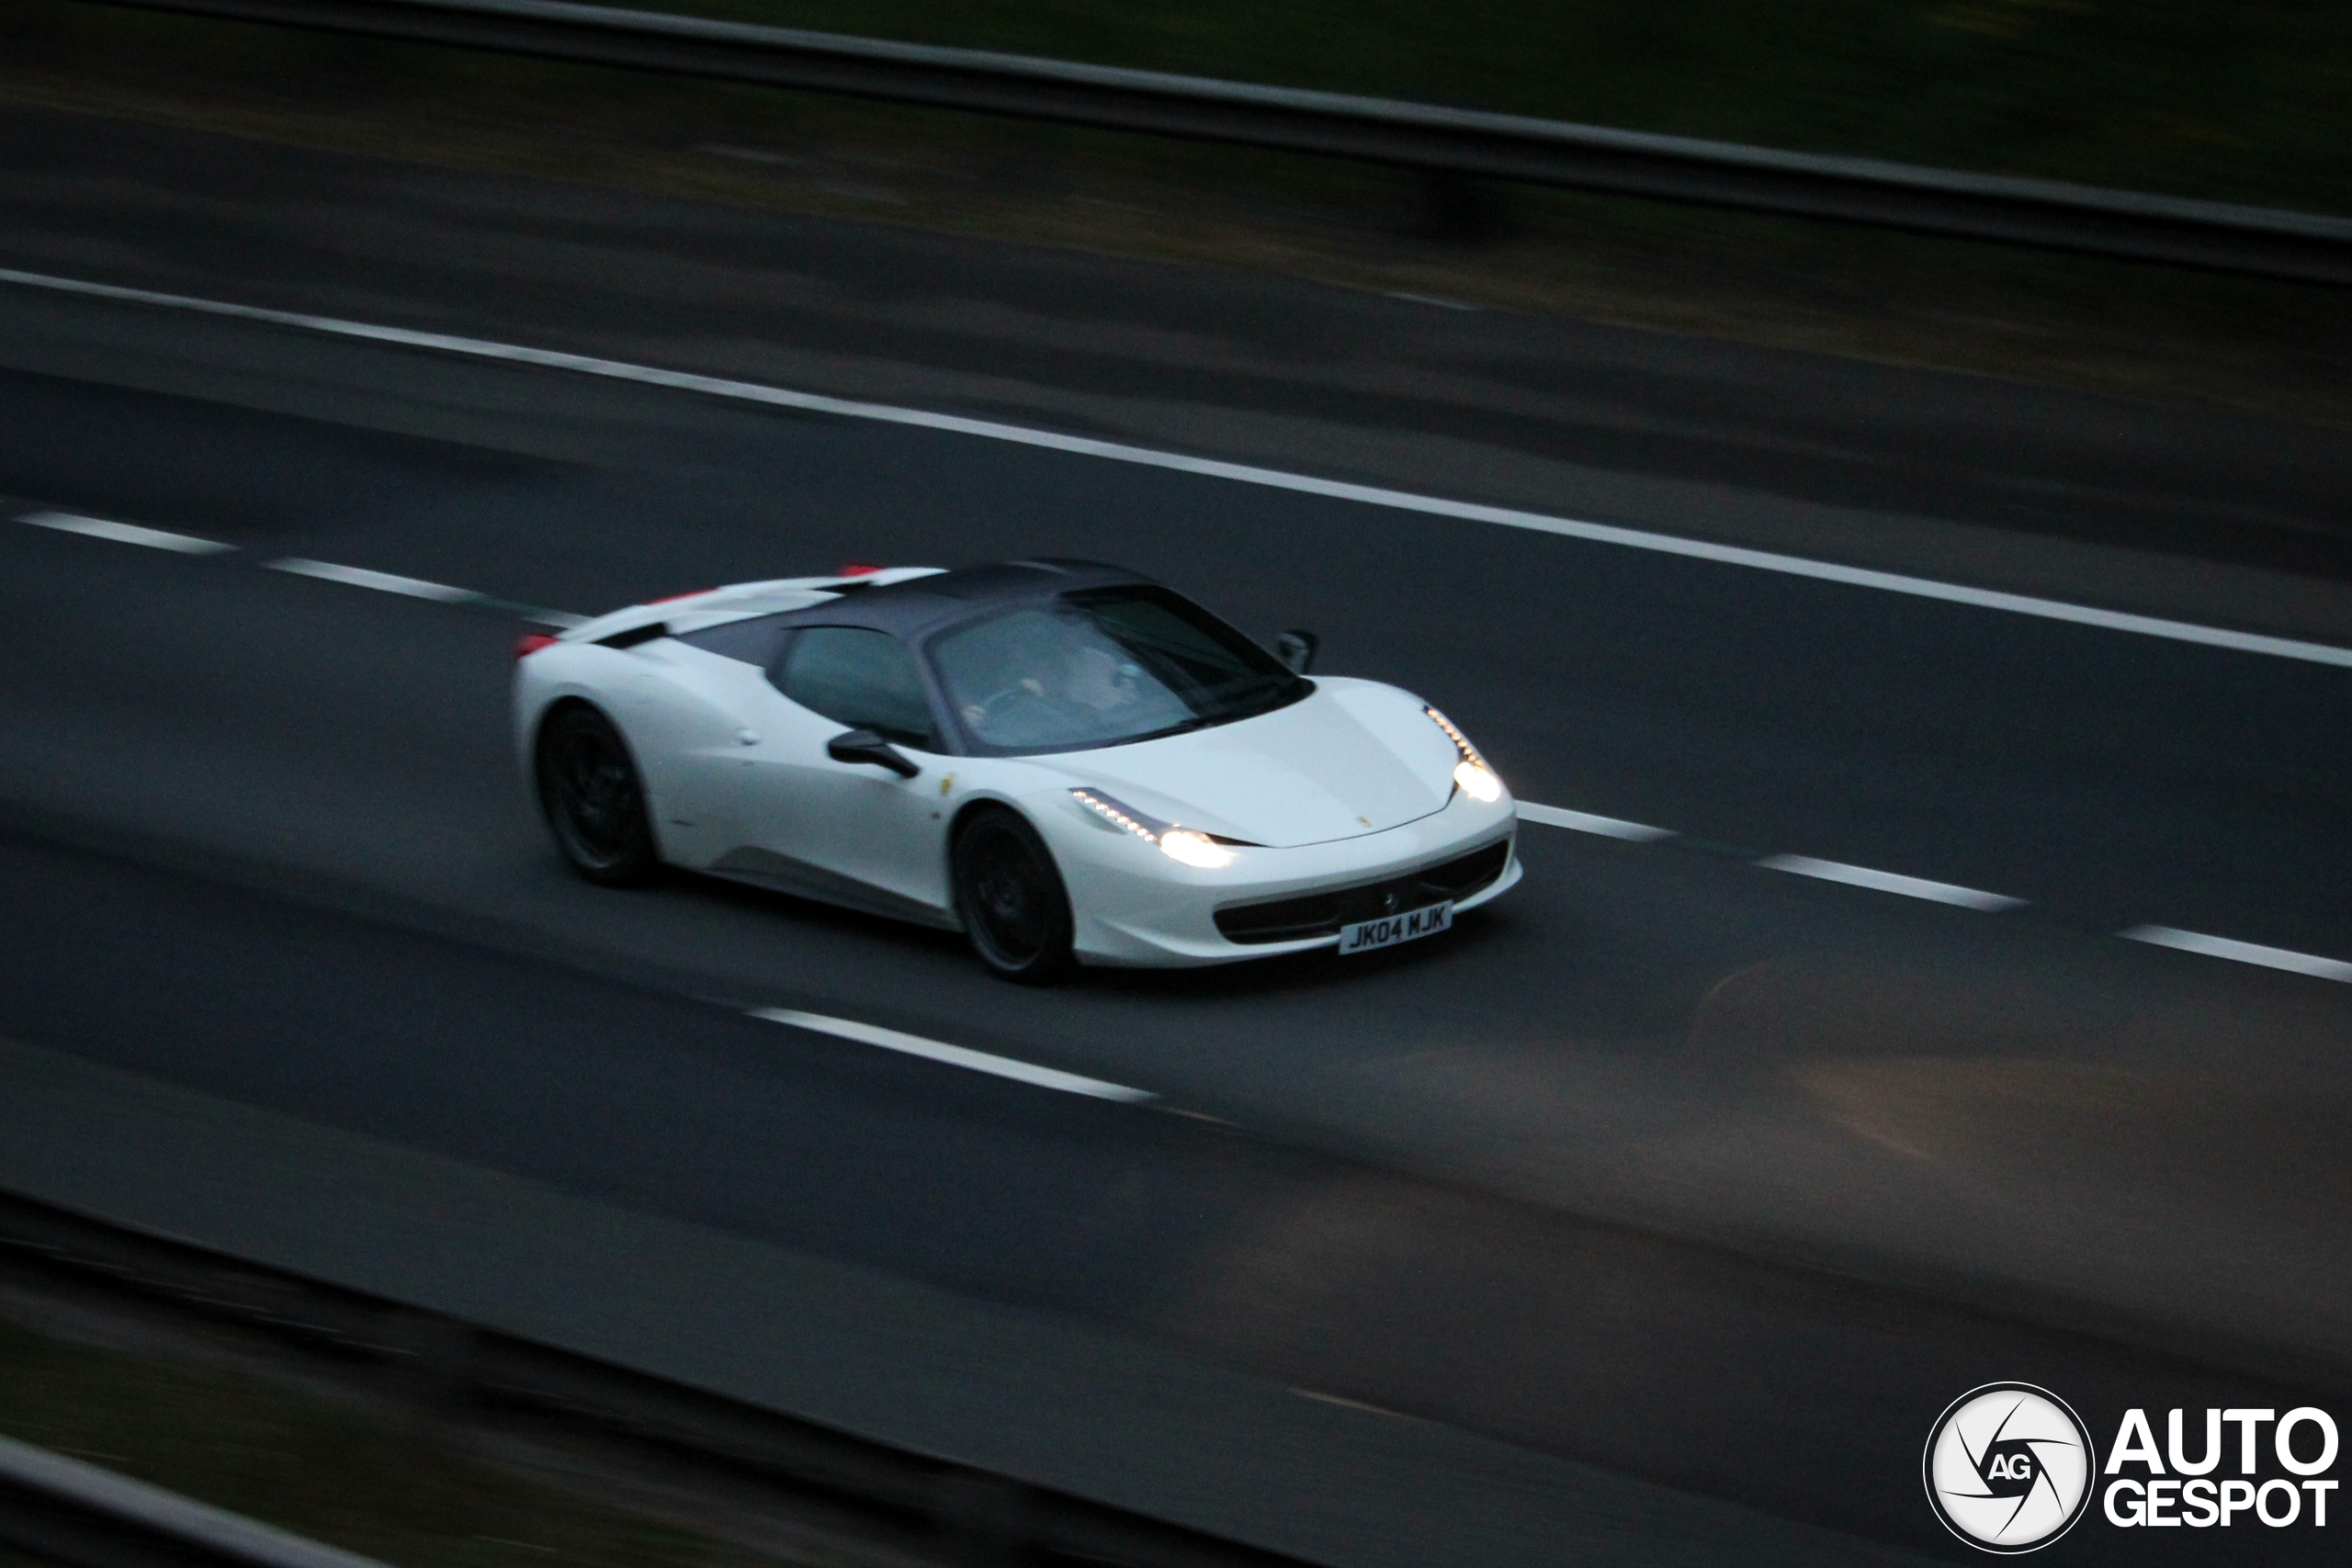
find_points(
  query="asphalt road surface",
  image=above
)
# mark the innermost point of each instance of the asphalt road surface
(1675, 1160)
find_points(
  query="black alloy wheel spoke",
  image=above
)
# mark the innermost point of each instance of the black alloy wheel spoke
(594, 801)
(1011, 900)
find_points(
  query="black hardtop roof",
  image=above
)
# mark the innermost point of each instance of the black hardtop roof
(918, 604)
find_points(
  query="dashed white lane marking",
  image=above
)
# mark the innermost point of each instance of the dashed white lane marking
(125, 532)
(1586, 822)
(1440, 300)
(1242, 473)
(1048, 1078)
(1891, 882)
(1346, 1404)
(358, 577)
(383, 582)
(2244, 951)
(957, 1055)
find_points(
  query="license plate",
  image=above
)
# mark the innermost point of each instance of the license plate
(1390, 930)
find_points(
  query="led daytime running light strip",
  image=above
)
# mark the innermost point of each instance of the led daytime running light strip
(1471, 776)
(1148, 829)
(1188, 845)
(1461, 741)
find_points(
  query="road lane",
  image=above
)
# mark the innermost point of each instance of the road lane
(1794, 1392)
(1695, 435)
(1640, 1031)
(2123, 781)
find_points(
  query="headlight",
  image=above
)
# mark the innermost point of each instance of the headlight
(1195, 849)
(1186, 844)
(1476, 779)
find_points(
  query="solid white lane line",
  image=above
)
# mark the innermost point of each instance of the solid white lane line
(2244, 951)
(1584, 822)
(383, 582)
(125, 532)
(1243, 473)
(1890, 881)
(955, 1056)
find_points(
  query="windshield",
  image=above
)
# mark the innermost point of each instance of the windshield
(1100, 668)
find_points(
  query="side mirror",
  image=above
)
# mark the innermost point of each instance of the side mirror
(864, 746)
(1297, 650)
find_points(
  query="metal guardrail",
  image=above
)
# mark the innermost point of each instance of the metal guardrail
(61, 1511)
(2261, 241)
(77, 1514)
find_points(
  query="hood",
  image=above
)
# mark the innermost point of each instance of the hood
(1355, 757)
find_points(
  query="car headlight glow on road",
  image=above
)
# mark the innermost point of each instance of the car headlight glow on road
(1472, 774)
(1186, 844)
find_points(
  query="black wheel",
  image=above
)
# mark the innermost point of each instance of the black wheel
(1010, 897)
(594, 802)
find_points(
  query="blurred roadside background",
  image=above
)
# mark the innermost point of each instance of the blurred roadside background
(2249, 103)
(2114, 1097)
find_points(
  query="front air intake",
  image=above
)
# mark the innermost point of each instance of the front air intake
(1322, 914)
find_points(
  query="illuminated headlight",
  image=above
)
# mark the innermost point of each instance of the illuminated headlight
(1195, 849)
(1471, 774)
(1186, 844)
(1478, 781)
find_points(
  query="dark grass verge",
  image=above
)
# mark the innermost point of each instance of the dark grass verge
(2248, 101)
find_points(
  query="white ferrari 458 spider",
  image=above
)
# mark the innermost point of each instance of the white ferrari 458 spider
(1065, 761)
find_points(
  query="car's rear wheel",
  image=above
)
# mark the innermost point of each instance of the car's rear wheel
(593, 800)
(1010, 897)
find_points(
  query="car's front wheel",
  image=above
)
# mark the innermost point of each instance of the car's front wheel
(1010, 897)
(593, 800)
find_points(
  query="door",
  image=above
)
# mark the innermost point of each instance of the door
(852, 832)
(679, 707)
(691, 714)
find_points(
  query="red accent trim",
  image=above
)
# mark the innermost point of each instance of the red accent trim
(530, 643)
(857, 568)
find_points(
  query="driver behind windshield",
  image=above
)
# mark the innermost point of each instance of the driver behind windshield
(1038, 678)
(1101, 669)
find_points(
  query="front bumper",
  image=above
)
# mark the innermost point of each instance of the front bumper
(1135, 906)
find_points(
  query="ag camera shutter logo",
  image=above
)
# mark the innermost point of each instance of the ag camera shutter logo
(2009, 1467)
